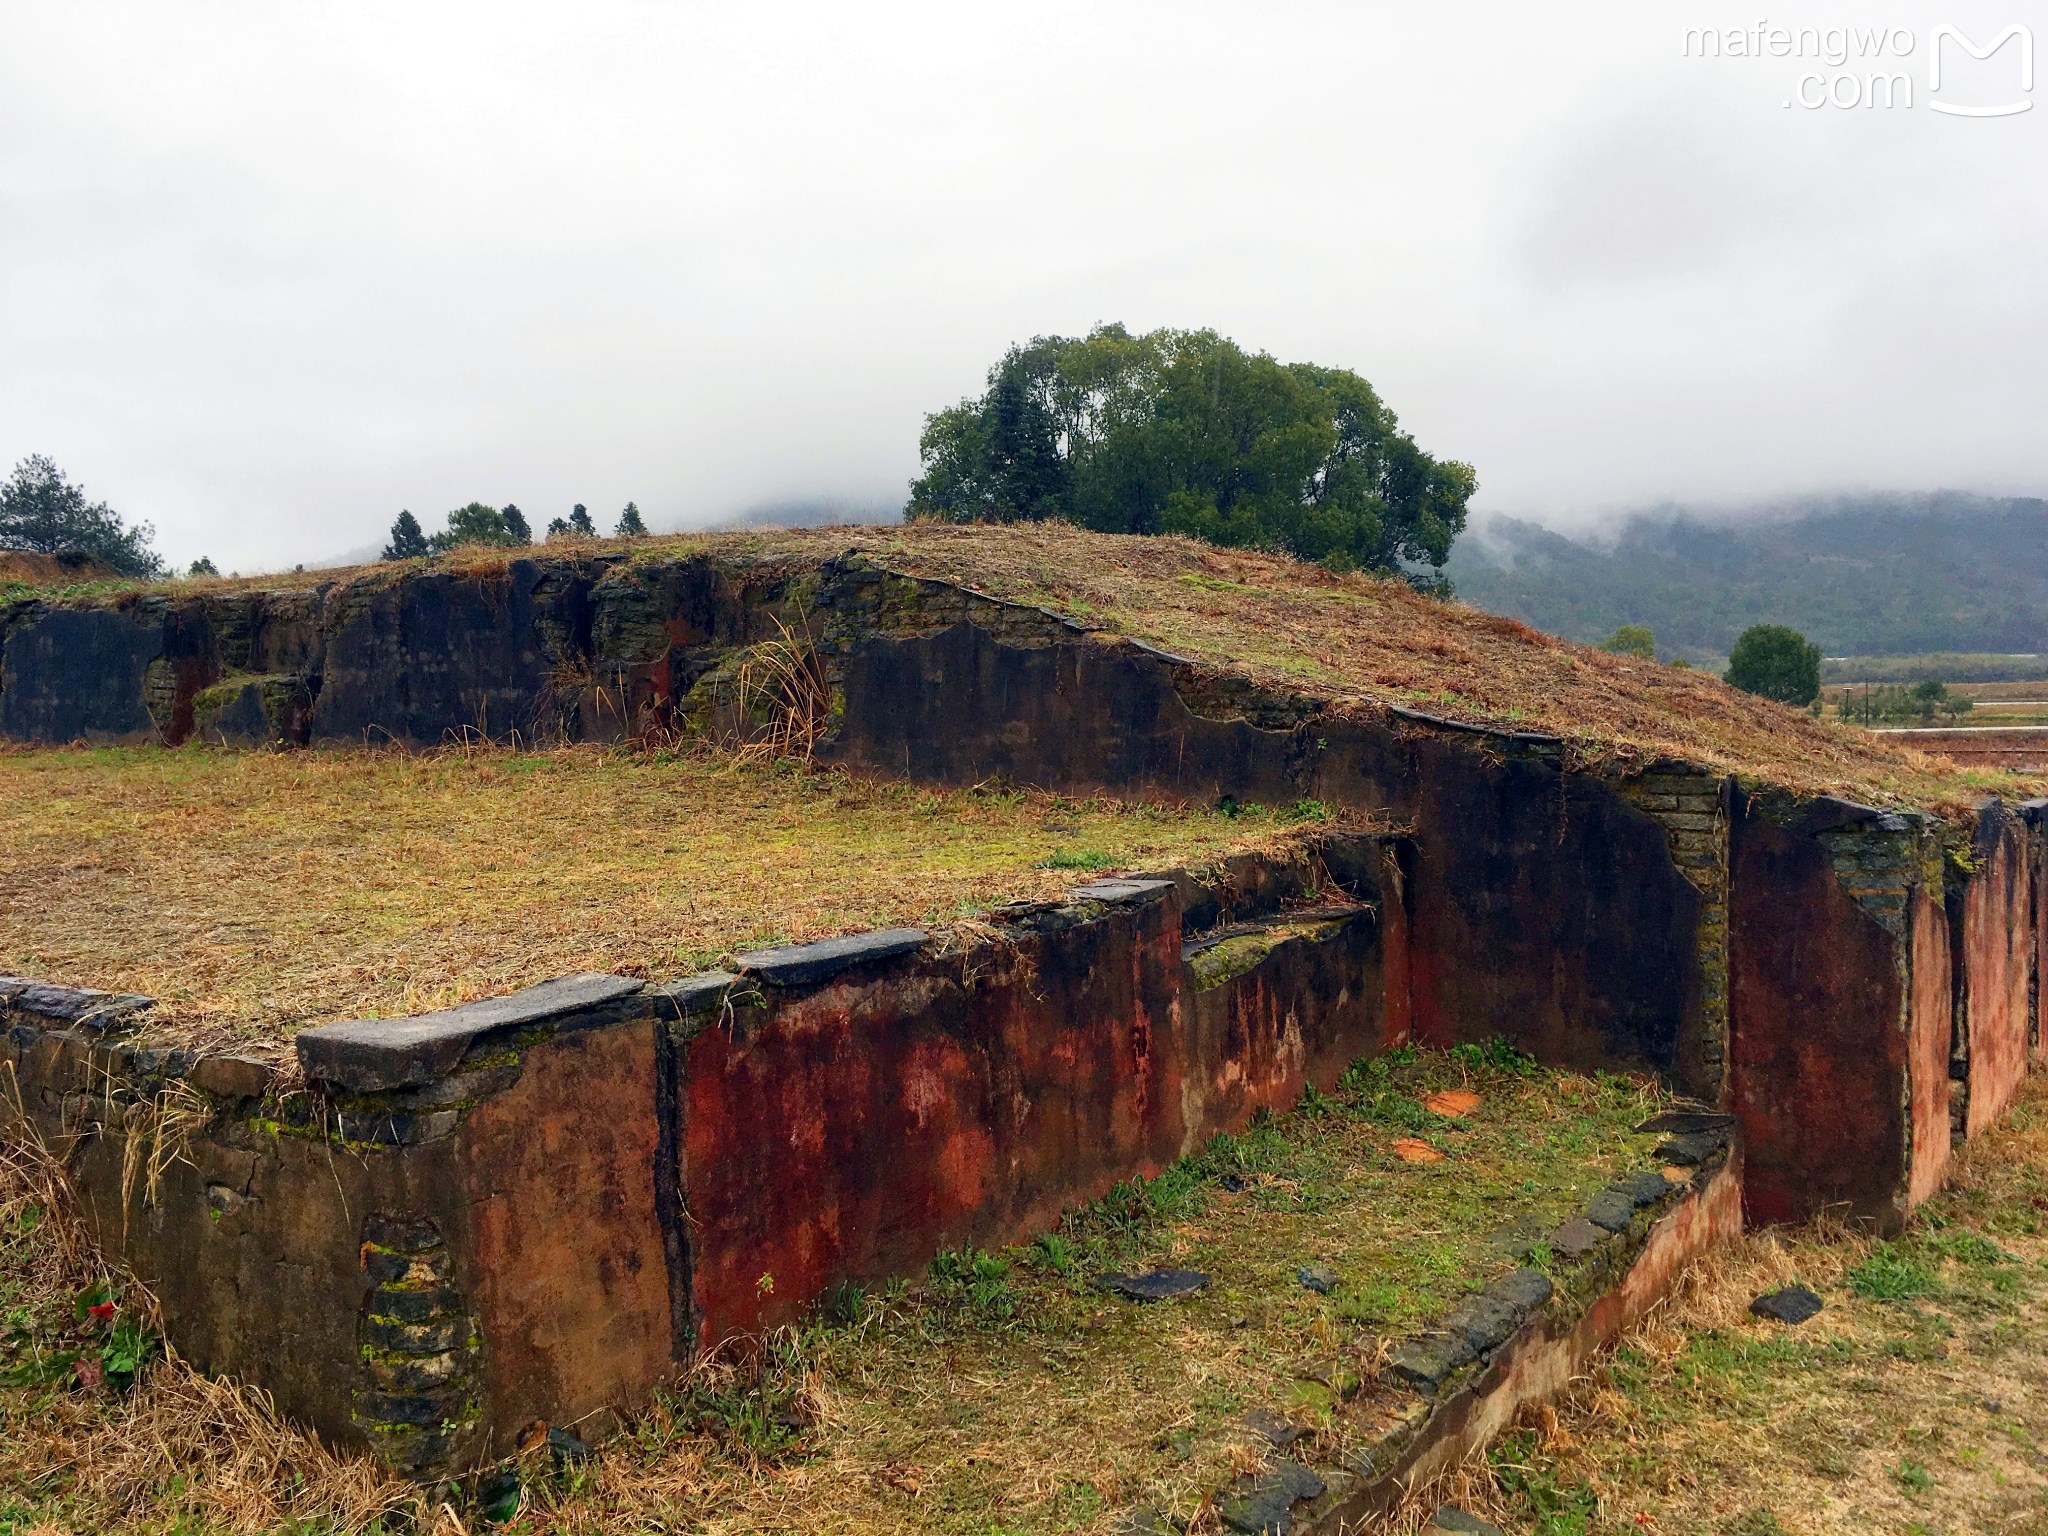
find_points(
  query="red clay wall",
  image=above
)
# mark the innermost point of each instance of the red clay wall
(848, 1133)
(1998, 947)
(1819, 1028)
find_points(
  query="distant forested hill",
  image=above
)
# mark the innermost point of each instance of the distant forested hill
(1863, 576)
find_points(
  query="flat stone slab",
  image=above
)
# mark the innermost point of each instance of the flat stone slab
(1643, 1188)
(1684, 1122)
(1426, 1359)
(70, 1005)
(1691, 1149)
(805, 965)
(1263, 1503)
(1114, 892)
(1155, 1285)
(373, 1055)
(1610, 1209)
(1577, 1238)
(1794, 1304)
(1271, 1427)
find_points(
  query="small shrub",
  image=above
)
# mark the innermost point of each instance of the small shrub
(1056, 1253)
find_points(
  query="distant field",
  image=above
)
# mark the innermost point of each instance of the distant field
(1950, 667)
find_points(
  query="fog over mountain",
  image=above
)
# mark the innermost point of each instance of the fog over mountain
(1862, 574)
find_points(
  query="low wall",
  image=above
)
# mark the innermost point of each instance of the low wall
(540, 1206)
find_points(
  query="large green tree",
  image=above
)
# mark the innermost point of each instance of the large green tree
(42, 512)
(1776, 662)
(1185, 432)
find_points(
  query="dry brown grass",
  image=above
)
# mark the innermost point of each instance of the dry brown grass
(1356, 641)
(252, 893)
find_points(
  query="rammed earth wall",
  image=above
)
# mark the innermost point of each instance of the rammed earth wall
(540, 1206)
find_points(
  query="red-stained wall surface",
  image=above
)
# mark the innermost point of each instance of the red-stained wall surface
(850, 1132)
(1997, 952)
(1818, 1033)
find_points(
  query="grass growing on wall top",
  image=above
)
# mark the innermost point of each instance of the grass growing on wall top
(255, 892)
(1354, 641)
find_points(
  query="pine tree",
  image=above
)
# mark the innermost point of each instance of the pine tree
(516, 524)
(557, 528)
(408, 539)
(580, 523)
(203, 567)
(630, 525)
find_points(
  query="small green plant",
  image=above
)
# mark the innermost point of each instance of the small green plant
(1971, 1248)
(1055, 1253)
(978, 1283)
(1912, 1477)
(1307, 810)
(1892, 1275)
(1077, 858)
(1529, 1478)
(1499, 1053)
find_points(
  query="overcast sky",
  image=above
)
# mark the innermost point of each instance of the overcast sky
(270, 272)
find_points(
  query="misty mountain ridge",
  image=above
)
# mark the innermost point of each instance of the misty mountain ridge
(1862, 575)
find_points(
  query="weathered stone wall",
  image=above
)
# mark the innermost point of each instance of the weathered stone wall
(538, 1207)
(1832, 1033)
(1545, 905)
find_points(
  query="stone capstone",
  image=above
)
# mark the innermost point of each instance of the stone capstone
(373, 1055)
(1610, 1209)
(1577, 1238)
(1426, 1360)
(805, 965)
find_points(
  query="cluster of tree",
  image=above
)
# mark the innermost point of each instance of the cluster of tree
(481, 523)
(1767, 659)
(43, 513)
(1924, 701)
(1185, 432)
(1863, 576)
